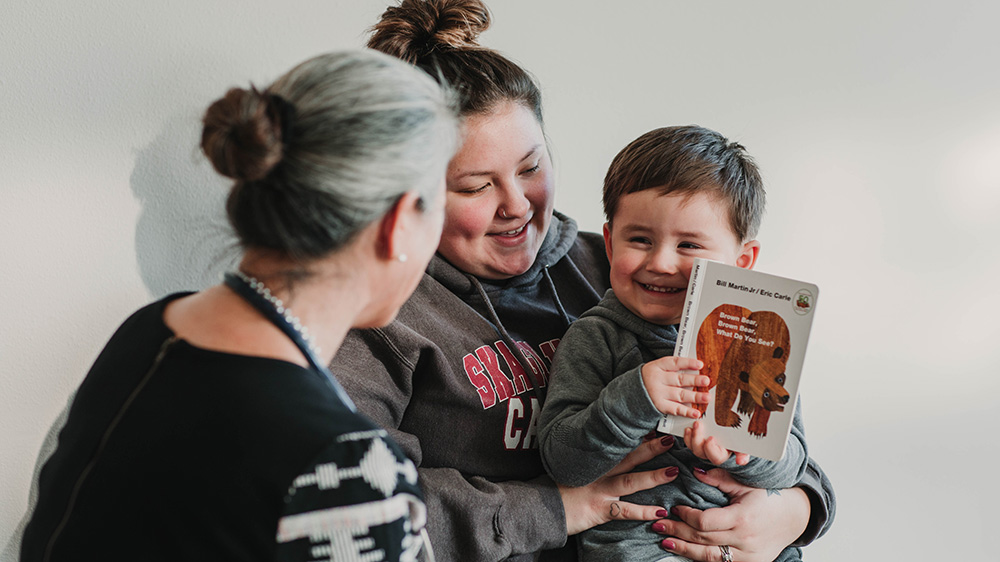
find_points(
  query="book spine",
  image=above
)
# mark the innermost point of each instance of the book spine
(685, 339)
(687, 329)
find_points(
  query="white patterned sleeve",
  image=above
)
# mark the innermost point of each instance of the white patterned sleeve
(357, 501)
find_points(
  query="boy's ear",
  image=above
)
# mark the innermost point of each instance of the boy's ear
(607, 239)
(395, 226)
(748, 254)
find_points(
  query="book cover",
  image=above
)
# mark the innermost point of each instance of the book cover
(750, 329)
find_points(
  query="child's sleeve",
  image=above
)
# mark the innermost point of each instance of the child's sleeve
(597, 409)
(786, 473)
(823, 502)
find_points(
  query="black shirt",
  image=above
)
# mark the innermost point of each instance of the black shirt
(175, 452)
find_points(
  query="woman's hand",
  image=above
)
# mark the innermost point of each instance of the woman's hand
(600, 501)
(756, 525)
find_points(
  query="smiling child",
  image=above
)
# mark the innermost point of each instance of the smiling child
(672, 195)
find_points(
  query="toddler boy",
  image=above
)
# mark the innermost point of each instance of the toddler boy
(672, 195)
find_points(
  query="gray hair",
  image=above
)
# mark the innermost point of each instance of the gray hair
(329, 148)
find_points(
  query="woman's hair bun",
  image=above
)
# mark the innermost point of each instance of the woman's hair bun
(418, 27)
(242, 134)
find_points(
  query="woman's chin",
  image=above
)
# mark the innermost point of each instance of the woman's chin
(378, 319)
(507, 264)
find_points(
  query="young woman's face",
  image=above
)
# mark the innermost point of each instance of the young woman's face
(499, 200)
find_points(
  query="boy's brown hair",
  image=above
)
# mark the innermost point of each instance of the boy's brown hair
(686, 160)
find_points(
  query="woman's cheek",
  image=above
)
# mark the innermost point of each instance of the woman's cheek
(544, 194)
(467, 219)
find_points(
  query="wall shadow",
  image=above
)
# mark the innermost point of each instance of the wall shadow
(182, 239)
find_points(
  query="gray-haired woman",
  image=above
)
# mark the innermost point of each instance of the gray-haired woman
(209, 428)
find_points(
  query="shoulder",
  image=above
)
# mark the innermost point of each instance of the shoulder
(589, 248)
(595, 333)
(148, 317)
(432, 312)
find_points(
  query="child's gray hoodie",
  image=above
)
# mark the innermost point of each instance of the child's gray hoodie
(598, 411)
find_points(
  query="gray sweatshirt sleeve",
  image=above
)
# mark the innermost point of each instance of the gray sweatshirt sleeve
(469, 517)
(822, 500)
(593, 416)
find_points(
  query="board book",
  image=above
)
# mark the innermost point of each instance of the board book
(750, 329)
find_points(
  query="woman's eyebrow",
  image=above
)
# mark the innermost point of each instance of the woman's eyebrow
(534, 150)
(531, 152)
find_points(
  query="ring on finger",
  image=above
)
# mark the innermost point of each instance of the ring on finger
(726, 555)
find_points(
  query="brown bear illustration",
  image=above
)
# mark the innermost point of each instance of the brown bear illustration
(754, 371)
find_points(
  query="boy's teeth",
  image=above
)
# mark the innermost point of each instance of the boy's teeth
(661, 289)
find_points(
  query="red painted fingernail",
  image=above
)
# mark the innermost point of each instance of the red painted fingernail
(661, 513)
(667, 441)
(659, 527)
(675, 511)
(699, 470)
(668, 544)
(672, 471)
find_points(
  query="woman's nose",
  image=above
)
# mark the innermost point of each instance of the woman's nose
(515, 203)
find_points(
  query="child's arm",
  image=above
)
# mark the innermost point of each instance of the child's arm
(706, 447)
(597, 409)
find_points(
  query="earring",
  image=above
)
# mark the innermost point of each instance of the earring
(401, 258)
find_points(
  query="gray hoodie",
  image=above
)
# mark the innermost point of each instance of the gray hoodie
(458, 379)
(598, 411)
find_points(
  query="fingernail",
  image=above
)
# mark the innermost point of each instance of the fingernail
(699, 470)
(661, 513)
(659, 527)
(668, 544)
(667, 441)
(672, 471)
(675, 511)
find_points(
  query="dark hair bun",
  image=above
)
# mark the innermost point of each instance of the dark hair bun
(242, 135)
(417, 27)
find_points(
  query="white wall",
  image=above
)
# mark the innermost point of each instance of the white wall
(877, 125)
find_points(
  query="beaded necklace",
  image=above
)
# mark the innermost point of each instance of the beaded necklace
(260, 297)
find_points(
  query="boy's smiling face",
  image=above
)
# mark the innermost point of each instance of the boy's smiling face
(652, 242)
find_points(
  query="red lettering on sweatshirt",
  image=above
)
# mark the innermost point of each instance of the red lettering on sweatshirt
(549, 349)
(493, 385)
(501, 383)
(474, 370)
(521, 380)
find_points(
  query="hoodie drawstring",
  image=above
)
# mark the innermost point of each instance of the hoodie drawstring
(555, 297)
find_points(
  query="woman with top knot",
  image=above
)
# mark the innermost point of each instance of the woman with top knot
(459, 377)
(209, 428)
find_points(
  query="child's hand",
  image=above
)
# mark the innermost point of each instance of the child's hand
(708, 448)
(671, 390)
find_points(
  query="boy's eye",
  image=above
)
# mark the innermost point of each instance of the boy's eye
(640, 240)
(688, 245)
